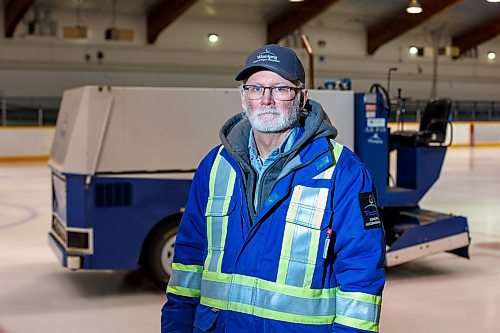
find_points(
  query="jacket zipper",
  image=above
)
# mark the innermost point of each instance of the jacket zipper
(264, 174)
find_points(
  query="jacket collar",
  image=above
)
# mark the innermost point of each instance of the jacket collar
(316, 157)
(235, 133)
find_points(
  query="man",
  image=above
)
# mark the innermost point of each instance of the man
(273, 238)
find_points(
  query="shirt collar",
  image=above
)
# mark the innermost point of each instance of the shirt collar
(285, 146)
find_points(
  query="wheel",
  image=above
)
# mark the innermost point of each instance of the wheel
(160, 253)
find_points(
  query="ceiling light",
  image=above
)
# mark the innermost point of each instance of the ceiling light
(493, 0)
(491, 55)
(413, 50)
(303, 0)
(414, 7)
(213, 38)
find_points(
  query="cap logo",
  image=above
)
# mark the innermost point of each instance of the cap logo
(266, 56)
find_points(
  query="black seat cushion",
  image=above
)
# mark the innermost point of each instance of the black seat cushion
(432, 126)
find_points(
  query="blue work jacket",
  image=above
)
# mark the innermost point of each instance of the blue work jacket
(311, 261)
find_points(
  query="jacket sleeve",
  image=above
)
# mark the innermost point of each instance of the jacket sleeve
(183, 291)
(359, 250)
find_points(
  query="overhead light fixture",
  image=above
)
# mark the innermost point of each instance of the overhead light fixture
(117, 34)
(493, 0)
(213, 38)
(79, 31)
(413, 50)
(491, 55)
(76, 32)
(414, 7)
(295, 0)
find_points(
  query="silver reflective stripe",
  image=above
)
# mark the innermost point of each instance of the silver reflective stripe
(299, 254)
(216, 247)
(310, 207)
(301, 238)
(216, 203)
(266, 299)
(222, 176)
(357, 309)
(221, 186)
(185, 279)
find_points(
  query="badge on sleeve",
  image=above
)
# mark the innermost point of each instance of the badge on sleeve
(369, 210)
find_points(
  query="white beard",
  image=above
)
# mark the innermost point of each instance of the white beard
(281, 121)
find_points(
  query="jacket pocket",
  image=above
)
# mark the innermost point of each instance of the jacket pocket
(307, 232)
(219, 206)
(205, 319)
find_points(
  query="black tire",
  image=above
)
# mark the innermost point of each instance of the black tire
(160, 252)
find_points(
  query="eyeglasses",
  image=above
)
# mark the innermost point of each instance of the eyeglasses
(279, 93)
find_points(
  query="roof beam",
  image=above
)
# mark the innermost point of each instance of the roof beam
(14, 11)
(477, 35)
(400, 22)
(163, 14)
(293, 17)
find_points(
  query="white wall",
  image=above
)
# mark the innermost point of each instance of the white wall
(46, 66)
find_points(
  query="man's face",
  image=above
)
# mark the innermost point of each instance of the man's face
(268, 114)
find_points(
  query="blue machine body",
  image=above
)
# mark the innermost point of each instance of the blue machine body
(411, 231)
(125, 207)
(104, 220)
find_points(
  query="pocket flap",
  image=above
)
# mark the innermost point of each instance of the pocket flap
(307, 216)
(205, 318)
(219, 205)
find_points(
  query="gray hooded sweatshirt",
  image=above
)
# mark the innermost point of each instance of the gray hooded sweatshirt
(235, 133)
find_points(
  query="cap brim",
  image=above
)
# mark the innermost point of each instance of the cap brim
(247, 71)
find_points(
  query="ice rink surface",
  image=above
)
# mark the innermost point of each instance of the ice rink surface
(437, 294)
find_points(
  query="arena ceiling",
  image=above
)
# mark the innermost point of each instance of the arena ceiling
(469, 23)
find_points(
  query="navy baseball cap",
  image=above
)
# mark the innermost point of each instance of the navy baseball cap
(279, 59)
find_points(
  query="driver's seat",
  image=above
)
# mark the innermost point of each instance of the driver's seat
(432, 129)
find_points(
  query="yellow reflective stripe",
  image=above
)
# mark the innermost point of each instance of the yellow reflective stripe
(221, 186)
(363, 297)
(225, 219)
(209, 238)
(214, 303)
(187, 268)
(270, 285)
(358, 310)
(315, 235)
(356, 323)
(337, 150)
(286, 247)
(276, 315)
(303, 223)
(182, 291)
(211, 188)
(185, 280)
(266, 293)
(213, 173)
